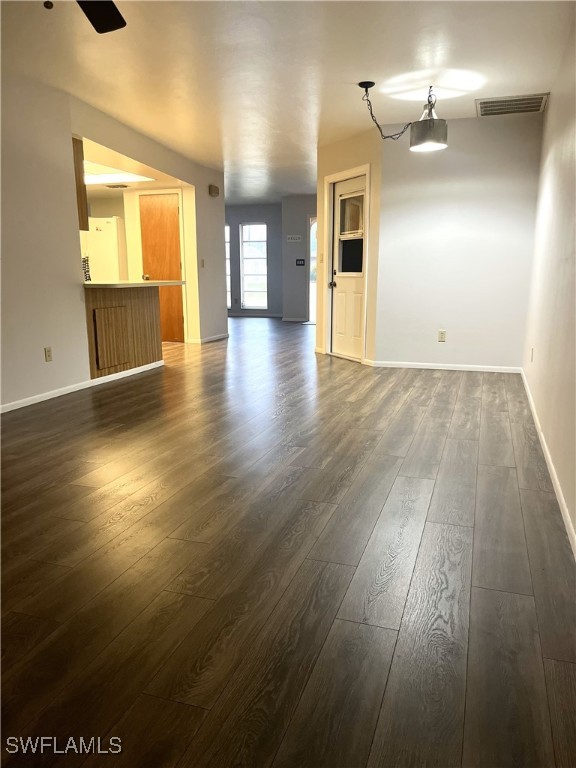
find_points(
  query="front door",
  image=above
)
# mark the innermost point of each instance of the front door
(160, 228)
(348, 268)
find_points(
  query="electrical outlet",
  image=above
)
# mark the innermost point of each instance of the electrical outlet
(48, 354)
(441, 335)
(532, 355)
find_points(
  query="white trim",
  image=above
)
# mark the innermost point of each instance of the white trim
(76, 387)
(569, 524)
(208, 339)
(294, 320)
(442, 366)
(320, 350)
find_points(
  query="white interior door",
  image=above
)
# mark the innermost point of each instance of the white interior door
(348, 268)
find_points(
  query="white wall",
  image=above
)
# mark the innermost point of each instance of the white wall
(297, 210)
(456, 244)
(131, 204)
(42, 292)
(551, 376)
(271, 215)
(105, 207)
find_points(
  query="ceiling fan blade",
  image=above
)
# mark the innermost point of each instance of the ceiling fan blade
(102, 14)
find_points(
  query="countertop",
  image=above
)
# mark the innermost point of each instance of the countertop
(140, 284)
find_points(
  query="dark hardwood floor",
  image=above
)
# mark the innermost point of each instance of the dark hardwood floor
(257, 556)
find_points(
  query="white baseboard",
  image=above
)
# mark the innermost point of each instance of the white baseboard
(320, 350)
(442, 366)
(208, 339)
(568, 522)
(76, 387)
(432, 366)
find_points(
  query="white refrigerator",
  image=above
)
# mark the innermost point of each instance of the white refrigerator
(105, 246)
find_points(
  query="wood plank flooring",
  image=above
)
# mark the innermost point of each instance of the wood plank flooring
(429, 663)
(261, 557)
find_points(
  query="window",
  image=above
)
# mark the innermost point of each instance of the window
(253, 266)
(228, 289)
(351, 246)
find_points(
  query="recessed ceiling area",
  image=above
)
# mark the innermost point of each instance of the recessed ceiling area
(97, 174)
(255, 87)
(98, 156)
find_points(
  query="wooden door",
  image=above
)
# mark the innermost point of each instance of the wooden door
(160, 227)
(81, 195)
(348, 269)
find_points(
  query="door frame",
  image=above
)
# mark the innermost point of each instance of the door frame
(329, 183)
(175, 190)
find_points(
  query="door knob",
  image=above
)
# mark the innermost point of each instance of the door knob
(332, 284)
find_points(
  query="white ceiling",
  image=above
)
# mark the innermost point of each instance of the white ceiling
(254, 87)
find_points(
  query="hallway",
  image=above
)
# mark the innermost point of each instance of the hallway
(259, 556)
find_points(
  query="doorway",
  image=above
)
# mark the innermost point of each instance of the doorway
(313, 261)
(347, 279)
(161, 257)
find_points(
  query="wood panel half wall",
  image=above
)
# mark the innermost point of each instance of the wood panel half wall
(123, 328)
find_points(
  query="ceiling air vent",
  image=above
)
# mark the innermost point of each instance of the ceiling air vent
(117, 186)
(511, 105)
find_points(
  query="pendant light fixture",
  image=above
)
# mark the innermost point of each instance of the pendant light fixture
(429, 134)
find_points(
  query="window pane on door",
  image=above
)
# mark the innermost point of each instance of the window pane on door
(255, 283)
(351, 255)
(254, 266)
(351, 214)
(253, 300)
(254, 232)
(254, 250)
